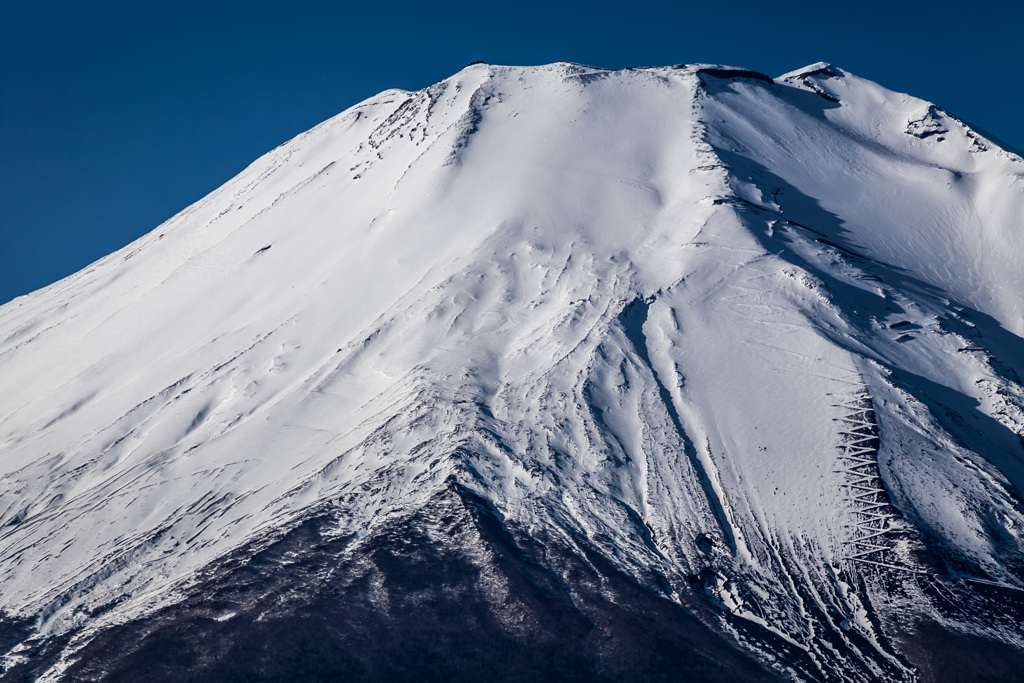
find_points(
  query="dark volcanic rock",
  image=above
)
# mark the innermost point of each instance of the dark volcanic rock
(448, 593)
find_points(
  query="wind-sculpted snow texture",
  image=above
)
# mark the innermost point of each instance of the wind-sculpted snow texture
(678, 350)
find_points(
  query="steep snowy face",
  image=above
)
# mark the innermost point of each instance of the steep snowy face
(758, 339)
(921, 191)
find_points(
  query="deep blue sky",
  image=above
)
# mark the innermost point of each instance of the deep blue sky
(115, 115)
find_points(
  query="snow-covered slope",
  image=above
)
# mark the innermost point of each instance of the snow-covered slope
(759, 340)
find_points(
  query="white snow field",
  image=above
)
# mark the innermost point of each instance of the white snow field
(768, 334)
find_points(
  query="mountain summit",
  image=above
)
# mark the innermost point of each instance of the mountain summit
(552, 372)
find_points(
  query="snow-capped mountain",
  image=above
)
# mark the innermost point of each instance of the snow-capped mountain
(560, 372)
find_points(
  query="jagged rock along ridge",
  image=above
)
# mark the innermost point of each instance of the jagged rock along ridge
(668, 373)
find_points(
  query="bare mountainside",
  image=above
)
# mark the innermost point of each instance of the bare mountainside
(554, 372)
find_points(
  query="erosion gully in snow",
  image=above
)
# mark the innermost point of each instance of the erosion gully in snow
(552, 372)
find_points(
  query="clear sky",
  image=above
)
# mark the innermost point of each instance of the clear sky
(115, 115)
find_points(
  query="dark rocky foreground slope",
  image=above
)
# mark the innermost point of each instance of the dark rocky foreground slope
(453, 593)
(448, 593)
